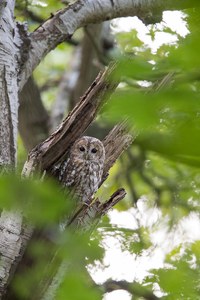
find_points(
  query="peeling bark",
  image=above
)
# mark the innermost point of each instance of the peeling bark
(14, 234)
(13, 239)
(47, 153)
(9, 56)
(85, 217)
(10, 222)
(65, 22)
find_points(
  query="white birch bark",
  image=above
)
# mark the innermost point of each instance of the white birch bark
(81, 13)
(62, 25)
(9, 44)
(10, 222)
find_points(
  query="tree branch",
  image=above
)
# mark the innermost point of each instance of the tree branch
(13, 240)
(85, 220)
(81, 13)
(44, 155)
(134, 289)
(33, 117)
(9, 57)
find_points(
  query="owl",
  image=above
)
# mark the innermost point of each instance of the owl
(82, 171)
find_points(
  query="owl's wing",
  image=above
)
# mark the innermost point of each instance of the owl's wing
(67, 173)
(56, 170)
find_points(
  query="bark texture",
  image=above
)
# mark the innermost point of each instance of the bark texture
(10, 222)
(51, 150)
(85, 217)
(64, 23)
(9, 57)
(20, 53)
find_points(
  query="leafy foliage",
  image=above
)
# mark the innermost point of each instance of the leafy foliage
(44, 206)
(160, 98)
(159, 95)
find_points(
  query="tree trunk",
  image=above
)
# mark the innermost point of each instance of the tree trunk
(9, 57)
(11, 222)
(20, 53)
(33, 118)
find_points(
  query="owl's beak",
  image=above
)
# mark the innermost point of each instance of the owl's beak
(85, 156)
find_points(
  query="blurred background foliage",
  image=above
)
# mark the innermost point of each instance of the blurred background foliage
(155, 231)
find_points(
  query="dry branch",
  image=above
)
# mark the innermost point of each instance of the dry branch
(85, 220)
(43, 156)
(115, 143)
(32, 49)
(88, 217)
(52, 149)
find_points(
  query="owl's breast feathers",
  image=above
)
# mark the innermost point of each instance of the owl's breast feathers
(81, 173)
(82, 177)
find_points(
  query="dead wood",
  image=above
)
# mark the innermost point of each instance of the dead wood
(43, 156)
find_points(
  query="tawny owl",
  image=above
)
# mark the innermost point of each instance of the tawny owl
(83, 169)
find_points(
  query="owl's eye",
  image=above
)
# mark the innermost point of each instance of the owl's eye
(94, 150)
(82, 149)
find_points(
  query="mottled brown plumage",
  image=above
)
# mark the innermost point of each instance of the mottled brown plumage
(82, 171)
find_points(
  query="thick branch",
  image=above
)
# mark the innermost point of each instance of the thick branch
(33, 118)
(45, 154)
(13, 239)
(9, 56)
(48, 152)
(115, 143)
(86, 219)
(134, 289)
(10, 223)
(81, 13)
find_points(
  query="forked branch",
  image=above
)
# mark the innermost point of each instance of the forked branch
(46, 154)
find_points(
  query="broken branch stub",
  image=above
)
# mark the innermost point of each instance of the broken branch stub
(44, 155)
(88, 217)
(115, 143)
